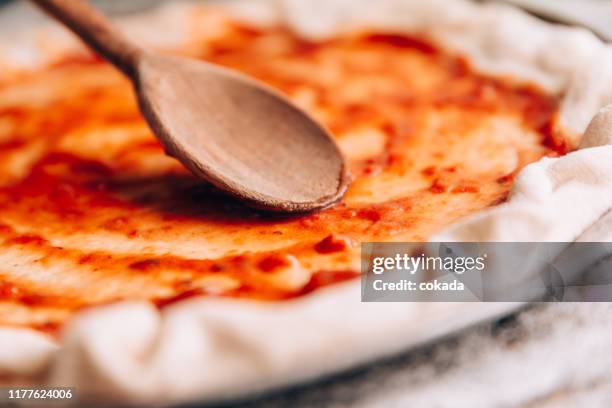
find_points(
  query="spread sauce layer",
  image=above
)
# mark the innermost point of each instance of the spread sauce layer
(92, 211)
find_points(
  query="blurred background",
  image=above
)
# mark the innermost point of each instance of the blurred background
(594, 14)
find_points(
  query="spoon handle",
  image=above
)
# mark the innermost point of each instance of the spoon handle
(96, 30)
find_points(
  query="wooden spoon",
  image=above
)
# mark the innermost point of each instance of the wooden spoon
(235, 132)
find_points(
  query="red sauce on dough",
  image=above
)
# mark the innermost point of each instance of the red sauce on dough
(69, 203)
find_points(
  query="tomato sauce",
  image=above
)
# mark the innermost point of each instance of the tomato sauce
(103, 219)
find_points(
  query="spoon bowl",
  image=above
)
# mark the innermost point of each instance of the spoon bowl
(240, 135)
